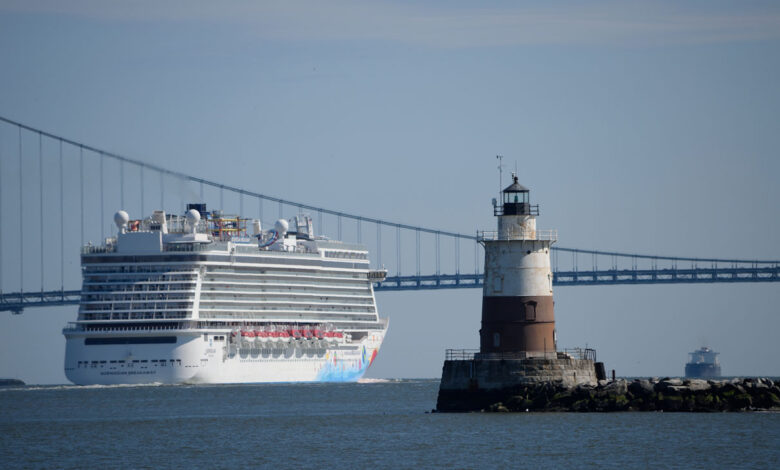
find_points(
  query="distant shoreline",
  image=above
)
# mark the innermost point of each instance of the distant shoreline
(12, 383)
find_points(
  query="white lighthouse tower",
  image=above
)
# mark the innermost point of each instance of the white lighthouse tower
(517, 302)
(517, 341)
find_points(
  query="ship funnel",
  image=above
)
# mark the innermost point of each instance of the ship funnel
(256, 227)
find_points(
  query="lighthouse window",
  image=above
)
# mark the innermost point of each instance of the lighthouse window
(496, 340)
(530, 311)
(515, 198)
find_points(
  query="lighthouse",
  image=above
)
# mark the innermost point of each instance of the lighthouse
(518, 348)
(517, 301)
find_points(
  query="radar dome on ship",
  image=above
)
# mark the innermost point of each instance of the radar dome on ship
(193, 216)
(281, 226)
(121, 218)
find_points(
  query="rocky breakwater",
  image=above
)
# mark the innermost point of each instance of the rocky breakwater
(749, 394)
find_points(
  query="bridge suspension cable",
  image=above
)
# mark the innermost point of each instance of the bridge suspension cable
(623, 267)
(336, 213)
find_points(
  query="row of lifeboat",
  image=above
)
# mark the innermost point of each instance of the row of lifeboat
(288, 334)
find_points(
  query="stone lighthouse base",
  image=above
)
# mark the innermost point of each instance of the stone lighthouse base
(474, 381)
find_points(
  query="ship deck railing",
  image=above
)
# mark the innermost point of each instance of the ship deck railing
(79, 328)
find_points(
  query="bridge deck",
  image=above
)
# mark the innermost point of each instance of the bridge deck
(16, 302)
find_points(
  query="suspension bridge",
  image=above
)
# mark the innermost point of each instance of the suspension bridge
(42, 165)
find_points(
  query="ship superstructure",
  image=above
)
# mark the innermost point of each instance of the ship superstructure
(197, 299)
(703, 363)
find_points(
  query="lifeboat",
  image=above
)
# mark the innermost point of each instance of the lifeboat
(280, 336)
(318, 333)
(294, 333)
(261, 335)
(283, 336)
(247, 337)
(306, 333)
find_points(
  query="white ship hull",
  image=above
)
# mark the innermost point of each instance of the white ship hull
(195, 360)
(174, 300)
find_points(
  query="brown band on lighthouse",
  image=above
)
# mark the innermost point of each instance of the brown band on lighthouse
(518, 308)
(517, 323)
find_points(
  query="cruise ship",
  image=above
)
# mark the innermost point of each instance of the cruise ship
(198, 299)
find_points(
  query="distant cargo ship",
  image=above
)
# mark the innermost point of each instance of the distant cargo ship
(703, 363)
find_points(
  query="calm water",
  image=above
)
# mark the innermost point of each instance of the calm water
(366, 425)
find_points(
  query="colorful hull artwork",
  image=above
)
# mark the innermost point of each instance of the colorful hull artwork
(350, 370)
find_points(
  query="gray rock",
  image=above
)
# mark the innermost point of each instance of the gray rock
(698, 385)
(664, 383)
(641, 387)
(678, 389)
(756, 386)
(618, 387)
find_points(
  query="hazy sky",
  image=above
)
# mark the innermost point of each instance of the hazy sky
(640, 127)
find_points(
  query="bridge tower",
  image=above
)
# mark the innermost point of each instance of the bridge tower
(517, 299)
